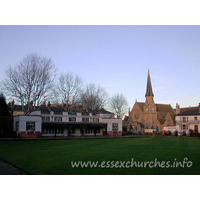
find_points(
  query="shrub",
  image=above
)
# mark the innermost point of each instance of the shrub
(168, 133)
(128, 133)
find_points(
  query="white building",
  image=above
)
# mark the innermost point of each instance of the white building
(188, 120)
(57, 122)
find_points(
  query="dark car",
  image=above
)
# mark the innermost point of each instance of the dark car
(134, 133)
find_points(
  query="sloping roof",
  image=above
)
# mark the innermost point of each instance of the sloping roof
(159, 107)
(15, 108)
(57, 109)
(141, 105)
(103, 111)
(189, 112)
(187, 108)
(43, 108)
(164, 108)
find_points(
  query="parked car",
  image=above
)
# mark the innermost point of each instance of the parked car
(180, 133)
(133, 132)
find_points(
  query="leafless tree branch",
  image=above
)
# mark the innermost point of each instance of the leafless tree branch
(119, 105)
(30, 79)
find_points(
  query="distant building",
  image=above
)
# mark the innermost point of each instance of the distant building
(148, 114)
(188, 119)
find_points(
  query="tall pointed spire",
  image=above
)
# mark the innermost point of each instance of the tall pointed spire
(149, 91)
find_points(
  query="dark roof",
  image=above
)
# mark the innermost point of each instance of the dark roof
(75, 124)
(187, 108)
(57, 109)
(103, 111)
(189, 112)
(149, 91)
(43, 109)
(15, 108)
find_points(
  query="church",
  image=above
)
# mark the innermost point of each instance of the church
(148, 114)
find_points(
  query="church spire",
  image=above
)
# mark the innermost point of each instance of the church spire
(149, 91)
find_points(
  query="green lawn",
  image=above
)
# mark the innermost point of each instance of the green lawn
(55, 156)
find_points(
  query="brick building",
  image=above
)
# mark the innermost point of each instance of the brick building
(148, 114)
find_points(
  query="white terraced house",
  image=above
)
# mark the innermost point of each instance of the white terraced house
(57, 122)
(188, 120)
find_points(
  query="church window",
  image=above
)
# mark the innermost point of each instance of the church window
(136, 116)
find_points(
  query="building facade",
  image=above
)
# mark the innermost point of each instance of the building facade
(55, 121)
(188, 120)
(148, 114)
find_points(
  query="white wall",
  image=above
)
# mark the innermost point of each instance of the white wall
(190, 122)
(22, 119)
(111, 121)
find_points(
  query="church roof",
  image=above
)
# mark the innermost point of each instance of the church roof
(141, 105)
(164, 108)
(149, 91)
(159, 107)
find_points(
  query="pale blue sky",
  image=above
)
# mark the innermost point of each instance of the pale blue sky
(116, 57)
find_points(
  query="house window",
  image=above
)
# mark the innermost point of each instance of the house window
(72, 130)
(85, 119)
(115, 127)
(72, 119)
(46, 119)
(59, 130)
(185, 119)
(57, 112)
(30, 126)
(136, 116)
(195, 118)
(95, 119)
(97, 130)
(185, 127)
(58, 119)
(88, 130)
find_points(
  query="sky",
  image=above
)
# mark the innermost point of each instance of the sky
(116, 57)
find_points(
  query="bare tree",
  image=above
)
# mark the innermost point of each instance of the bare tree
(69, 87)
(119, 105)
(30, 79)
(93, 98)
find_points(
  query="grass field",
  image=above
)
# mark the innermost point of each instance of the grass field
(53, 157)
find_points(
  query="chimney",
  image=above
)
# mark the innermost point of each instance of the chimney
(12, 104)
(49, 105)
(44, 103)
(65, 106)
(31, 105)
(177, 108)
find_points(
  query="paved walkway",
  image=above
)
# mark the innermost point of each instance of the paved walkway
(6, 169)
